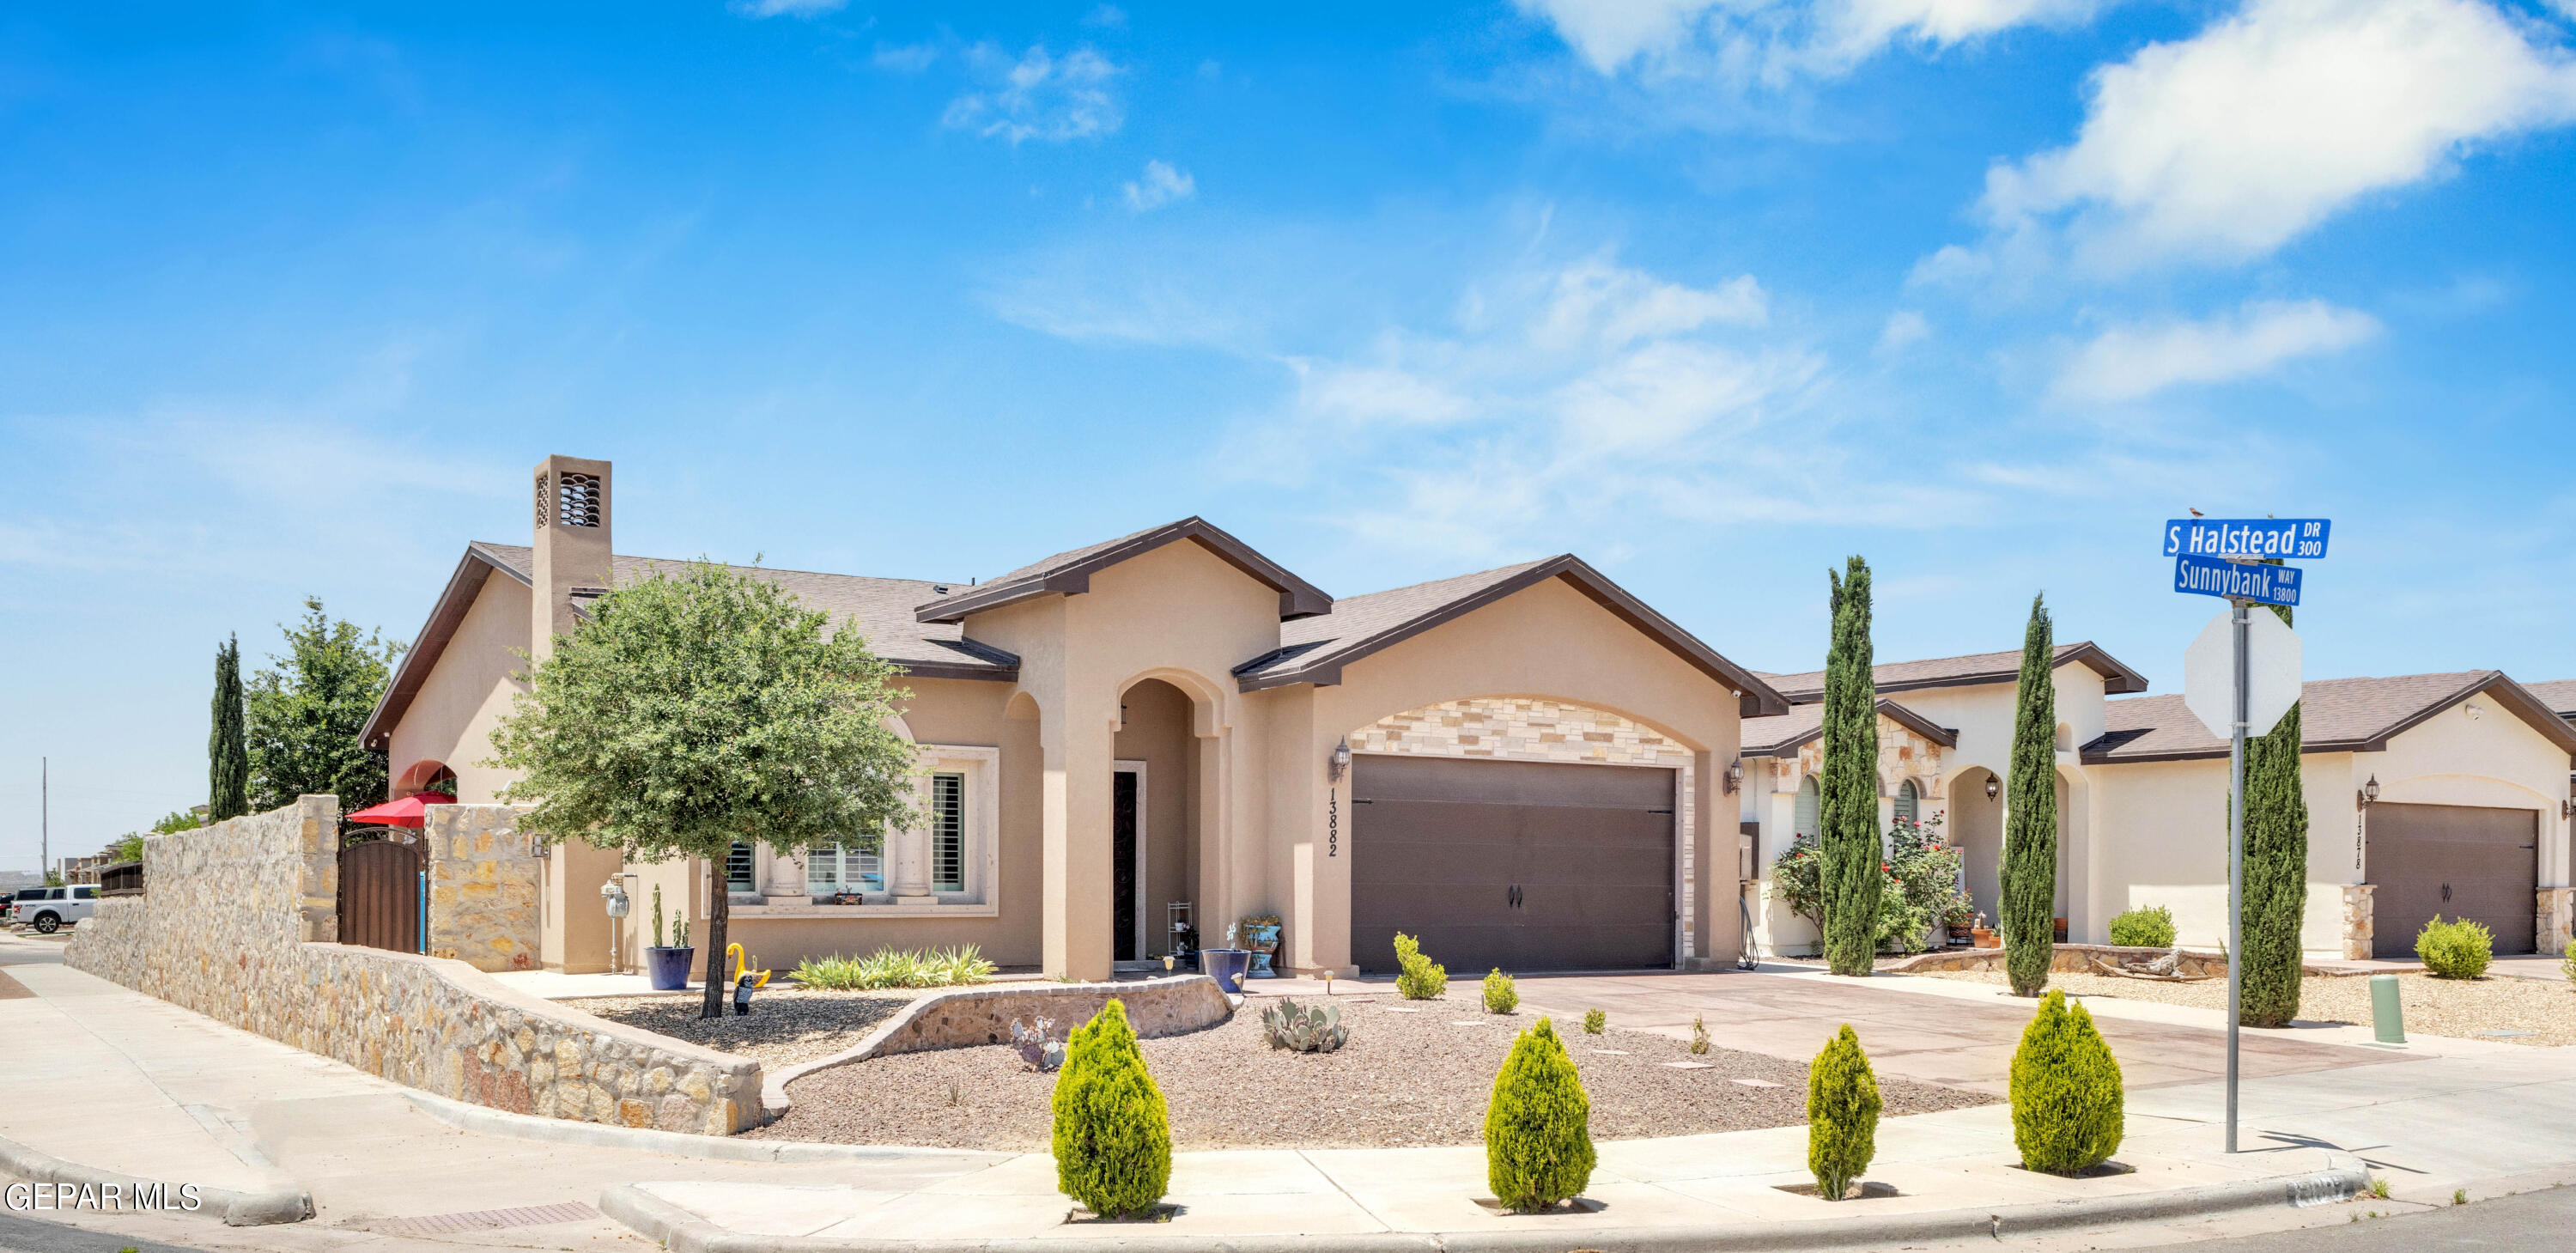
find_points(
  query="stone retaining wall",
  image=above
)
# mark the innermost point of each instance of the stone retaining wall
(237, 923)
(2068, 959)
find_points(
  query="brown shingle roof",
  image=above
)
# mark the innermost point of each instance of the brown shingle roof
(2335, 715)
(1975, 668)
(2558, 694)
(1070, 572)
(1785, 733)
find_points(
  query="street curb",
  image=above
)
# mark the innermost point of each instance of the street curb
(681, 1231)
(498, 1122)
(238, 1209)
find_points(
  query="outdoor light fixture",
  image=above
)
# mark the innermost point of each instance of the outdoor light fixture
(1341, 759)
(2370, 792)
(1734, 775)
(1994, 787)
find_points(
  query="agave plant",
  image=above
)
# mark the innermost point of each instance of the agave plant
(1033, 1046)
(1312, 1030)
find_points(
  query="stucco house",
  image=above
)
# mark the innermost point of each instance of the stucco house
(1527, 766)
(2429, 793)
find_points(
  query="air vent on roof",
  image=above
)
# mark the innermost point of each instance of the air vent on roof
(577, 500)
(939, 589)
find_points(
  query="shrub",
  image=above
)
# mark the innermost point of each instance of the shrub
(2458, 949)
(2148, 927)
(2566, 964)
(1500, 996)
(1417, 976)
(1699, 1034)
(1538, 1130)
(1113, 1134)
(895, 968)
(1920, 873)
(1595, 1022)
(2067, 1108)
(1842, 1115)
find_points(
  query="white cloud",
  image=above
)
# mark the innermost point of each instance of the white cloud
(2132, 362)
(1904, 328)
(1039, 96)
(787, 8)
(2230, 143)
(905, 58)
(1774, 40)
(1160, 185)
(1107, 16)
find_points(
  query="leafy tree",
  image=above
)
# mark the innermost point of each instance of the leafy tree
(306, 713)
(1847, 799)
(700, 708)
(2276, 871)
(128, 847)
(2029, 875)
(228, 745)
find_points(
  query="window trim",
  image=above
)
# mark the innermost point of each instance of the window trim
(981, 764)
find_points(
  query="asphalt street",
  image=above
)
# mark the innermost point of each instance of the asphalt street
(2533, 1220)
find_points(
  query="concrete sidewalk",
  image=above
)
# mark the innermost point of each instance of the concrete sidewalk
(164, 1092)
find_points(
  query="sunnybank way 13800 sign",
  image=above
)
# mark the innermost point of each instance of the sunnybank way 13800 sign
(2293, 538)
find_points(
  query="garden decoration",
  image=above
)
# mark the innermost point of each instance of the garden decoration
(1316, 1029)
(1261, 936)
(742, 967)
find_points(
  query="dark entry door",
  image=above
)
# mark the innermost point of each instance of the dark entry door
(380, 895)
(2457, 861)
(1124, 867)
(1521, 865)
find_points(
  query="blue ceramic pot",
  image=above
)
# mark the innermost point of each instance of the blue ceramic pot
(1267, 937)
(1227, 966)
(669, 967)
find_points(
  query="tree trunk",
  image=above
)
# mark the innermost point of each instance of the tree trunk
(719, 911)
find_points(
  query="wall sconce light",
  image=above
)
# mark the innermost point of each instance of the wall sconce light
(1994, 786)
(2370, 792)
(1341, 760)
(1734, 776)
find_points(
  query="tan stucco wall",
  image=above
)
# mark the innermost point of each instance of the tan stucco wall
(468, 693)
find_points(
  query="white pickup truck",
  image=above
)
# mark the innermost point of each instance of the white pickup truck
(48, 909)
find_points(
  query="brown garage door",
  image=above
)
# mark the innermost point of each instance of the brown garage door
(1521, 865)
(2456, 861)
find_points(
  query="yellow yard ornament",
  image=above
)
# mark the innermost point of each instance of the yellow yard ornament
(733, 954)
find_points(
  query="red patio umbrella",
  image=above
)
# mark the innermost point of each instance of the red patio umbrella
(402, 813)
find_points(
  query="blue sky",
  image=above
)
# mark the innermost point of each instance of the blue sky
(291, 296)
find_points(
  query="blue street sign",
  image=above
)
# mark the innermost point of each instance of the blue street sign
(2301, 539)
(2237, 580)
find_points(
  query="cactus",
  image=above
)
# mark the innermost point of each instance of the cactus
(1034, 1045)
(657, 915)
(1313, 1030)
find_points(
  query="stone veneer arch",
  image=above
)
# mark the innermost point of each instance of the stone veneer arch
(1538, 728)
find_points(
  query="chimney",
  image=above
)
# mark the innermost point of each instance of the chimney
(572, 561)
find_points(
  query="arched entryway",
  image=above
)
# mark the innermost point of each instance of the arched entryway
(1977, 826)
(1155, 820)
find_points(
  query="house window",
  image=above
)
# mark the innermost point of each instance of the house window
(843, 868)
(738, 877)
(1907, 804)
(948, 833)
(1802, 820)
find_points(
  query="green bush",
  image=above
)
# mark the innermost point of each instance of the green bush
(1595, 1022)
(1500, 996)
(2067, 1107)
(1113, 1134)
(895, 968)
(2458, 949)
(1417, 976)
(2148, 927)
(1842, 1115)
(1538, 1130)
(2566, 964)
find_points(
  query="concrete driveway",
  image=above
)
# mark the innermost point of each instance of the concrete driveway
(1908, 1034)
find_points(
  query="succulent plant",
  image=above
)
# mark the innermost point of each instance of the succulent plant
(1316, 1029)
(1035, 1049)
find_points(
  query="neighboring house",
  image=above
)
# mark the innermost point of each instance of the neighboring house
(1524, 766)
(2473, 815)
(85, 869)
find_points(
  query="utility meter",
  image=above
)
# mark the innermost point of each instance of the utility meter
(614, 893)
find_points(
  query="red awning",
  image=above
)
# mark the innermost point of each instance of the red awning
(406, 812)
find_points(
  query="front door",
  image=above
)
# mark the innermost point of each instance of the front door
(1127, 863)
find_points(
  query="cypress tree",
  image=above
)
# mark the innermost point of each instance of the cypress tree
(228, 744)
(2276, 871)
(1847, 796)
(2030, 818)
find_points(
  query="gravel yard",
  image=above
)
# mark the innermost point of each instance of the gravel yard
(2460, 1008)
(1414, 1073)
(785, 1024)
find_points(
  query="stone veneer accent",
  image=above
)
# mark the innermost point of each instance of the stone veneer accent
(2358, 931)
(237, 923)
(483, 885)
(2078, 959)
(1902, 755)
(2556, 919)
(1522, 728)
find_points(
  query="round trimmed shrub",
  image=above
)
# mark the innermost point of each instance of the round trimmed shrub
(2458, 949)
(2067, 1107)
(1113, 1134)
(1538, 1130)
(1842, 1115)
(1500, 996)
(1417, 977)
(2149, 927)
(1595, 1021)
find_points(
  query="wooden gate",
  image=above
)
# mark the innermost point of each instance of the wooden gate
(380, 895)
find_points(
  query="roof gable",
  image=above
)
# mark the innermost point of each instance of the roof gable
(1069, 573)
(1782, 734)
(1314, 650)
(1968, 671)
(2335, 716)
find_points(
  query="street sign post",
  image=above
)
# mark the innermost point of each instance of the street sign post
(2257, 685)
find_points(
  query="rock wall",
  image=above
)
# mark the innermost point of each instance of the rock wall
(483, 886)
(236, 923)
(2554, 919)
(2078, 959)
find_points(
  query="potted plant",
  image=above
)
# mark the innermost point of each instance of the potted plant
(1985, 935)
(1959, 918)
(1227, 965)
(668, 964)
(1261, 936)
